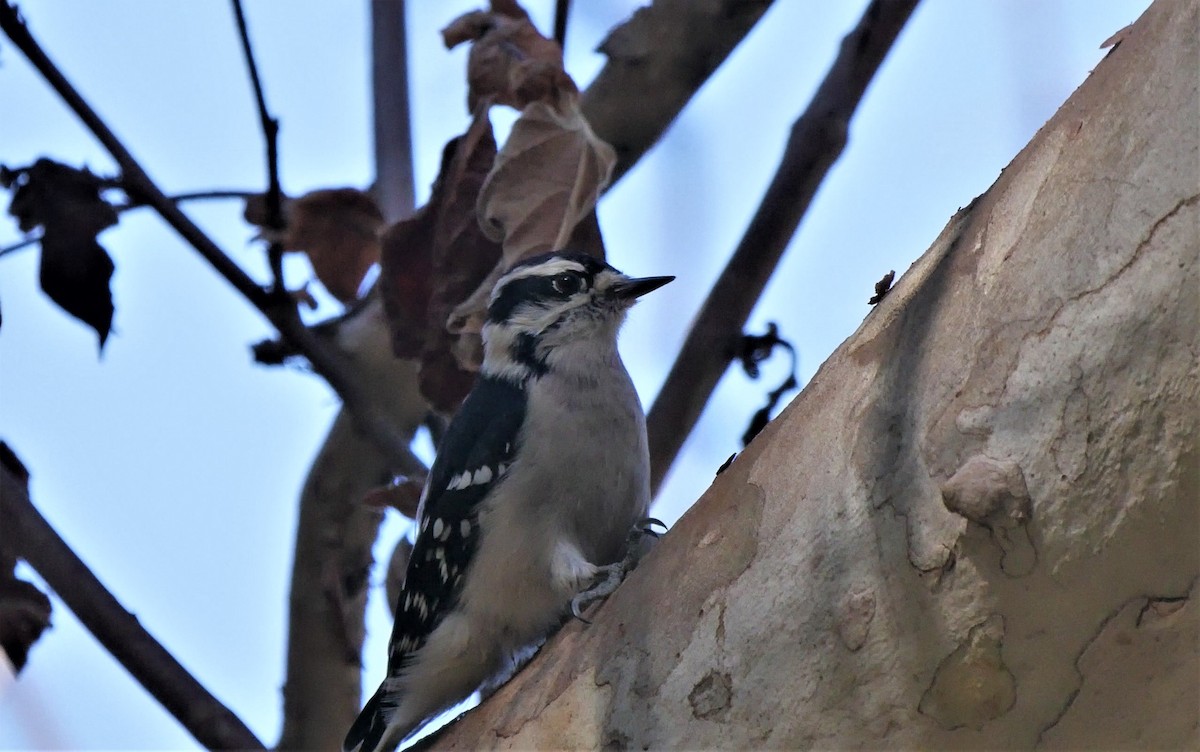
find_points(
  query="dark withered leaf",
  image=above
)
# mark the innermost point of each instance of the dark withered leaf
(463, 257)
(405, 280)
(337, 228)
(753, 349)
(67, 203)
(432, 261)
(24, 615)
(510, 62)
(24, 610)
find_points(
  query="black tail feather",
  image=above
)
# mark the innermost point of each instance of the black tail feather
(367, 731)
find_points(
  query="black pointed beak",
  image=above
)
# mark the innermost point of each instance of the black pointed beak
(631, 289)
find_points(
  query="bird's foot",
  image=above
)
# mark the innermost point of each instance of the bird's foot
(610, 576)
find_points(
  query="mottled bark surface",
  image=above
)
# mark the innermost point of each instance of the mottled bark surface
(976, 527)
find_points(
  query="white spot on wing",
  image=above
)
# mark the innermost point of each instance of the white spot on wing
(438, 525)
(459, 482)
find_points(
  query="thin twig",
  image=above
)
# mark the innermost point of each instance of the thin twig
(562, 9)
(279, 310)
(205, 196)
(395, 185)
(35, 540)
(31, 240)
(178, 198)
(816, 141)
(270, 127)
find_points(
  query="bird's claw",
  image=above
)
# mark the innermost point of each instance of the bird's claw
(645, 526)
(614, 574)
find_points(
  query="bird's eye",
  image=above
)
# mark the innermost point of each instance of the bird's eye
(567, 284)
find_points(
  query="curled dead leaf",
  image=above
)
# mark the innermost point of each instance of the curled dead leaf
(539, 196)
(67, 203)
(434, 260)
(510, 62)
(546, 179)
(24, 616)
(337, 228)
(406, 280)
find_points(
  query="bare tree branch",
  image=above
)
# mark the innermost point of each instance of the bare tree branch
(270, 128)
(562, 9)
(394, 180)
(329, 591)
(816, 141)
(276, 306)
(21, 244)
(178, 198)
(657, 60)
(120, 632)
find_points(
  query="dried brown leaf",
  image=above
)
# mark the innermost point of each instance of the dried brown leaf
(510, 62)
(339, 231)
(405, 280)
(546, 179)
(24, 615)
(465, 256)
(404, 496)
(436, 259)
(540, 196)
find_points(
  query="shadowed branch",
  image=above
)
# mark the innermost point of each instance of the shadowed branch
(119, 631)
(270, 128)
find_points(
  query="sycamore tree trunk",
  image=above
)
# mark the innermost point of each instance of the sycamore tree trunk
(977, 525)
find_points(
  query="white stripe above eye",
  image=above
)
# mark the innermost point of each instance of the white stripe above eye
(544, 269)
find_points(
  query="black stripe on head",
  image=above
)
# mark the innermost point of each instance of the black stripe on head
(514, 288)
(527, 355)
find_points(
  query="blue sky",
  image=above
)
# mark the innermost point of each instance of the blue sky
(173, 464)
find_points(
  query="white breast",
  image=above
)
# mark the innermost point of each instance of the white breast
(582, 476)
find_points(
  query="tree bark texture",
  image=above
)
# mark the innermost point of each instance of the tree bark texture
(976, 526)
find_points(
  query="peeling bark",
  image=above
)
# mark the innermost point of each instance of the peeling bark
(822, 594)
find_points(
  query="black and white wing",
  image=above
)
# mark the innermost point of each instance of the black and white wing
(474, 456)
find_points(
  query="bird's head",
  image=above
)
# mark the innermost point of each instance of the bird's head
(557, 311)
